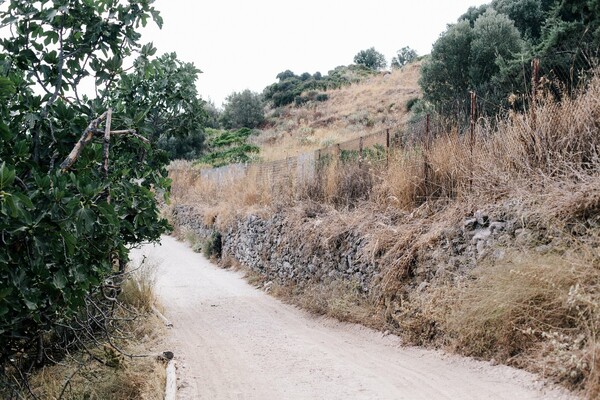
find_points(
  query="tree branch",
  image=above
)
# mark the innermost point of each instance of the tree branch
(126, 132)
(86, 137)
(107, 143)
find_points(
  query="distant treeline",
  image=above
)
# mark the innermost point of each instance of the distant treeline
(299, 89)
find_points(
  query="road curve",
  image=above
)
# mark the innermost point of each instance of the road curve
(233, 341)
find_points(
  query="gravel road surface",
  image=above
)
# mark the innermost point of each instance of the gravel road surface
(232, 341)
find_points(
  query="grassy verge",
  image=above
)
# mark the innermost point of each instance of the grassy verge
(102, 372)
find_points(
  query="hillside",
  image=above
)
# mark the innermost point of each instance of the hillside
(487, 246)
(370, 106)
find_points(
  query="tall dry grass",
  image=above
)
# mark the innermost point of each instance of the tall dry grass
(512, 153)
(539, 311)
(96, 370)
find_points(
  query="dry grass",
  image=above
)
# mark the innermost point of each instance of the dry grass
(127, 379)
(509, 155)
(105, 373)
(357, 110)
(531, 310)
(342, 300)
(250, 192)
(138, 289)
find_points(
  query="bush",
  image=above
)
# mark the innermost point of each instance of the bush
(300, 100)
(371, 59)
(404, 56)
(322, 97)
(411, 103)
(227, 147)
(243, 110)
(212, 247)
(186, 146)
(291, 86)
(65, 227)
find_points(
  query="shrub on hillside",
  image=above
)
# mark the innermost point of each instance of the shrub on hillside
(371, 59)
(243, 110)
(228, 147)
(403, 56)
(211, 247)
(291, 88)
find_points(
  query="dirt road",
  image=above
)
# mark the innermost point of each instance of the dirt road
(232, 341)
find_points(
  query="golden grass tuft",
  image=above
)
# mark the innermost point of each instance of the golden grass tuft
(337, 299)
(134, 379)
(528, 306)
(138, 289)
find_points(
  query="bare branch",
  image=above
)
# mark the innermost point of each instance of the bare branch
(68, 382)
(86, 137)
(126, 132)
(107, 142)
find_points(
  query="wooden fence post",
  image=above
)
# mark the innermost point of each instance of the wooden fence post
(472, 138)
(360, 151)
(535, 63)
(387, 147)
(426, 158)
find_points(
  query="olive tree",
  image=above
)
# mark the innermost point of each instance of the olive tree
(403, 56)
(243, 110)
(472, 57)
(445, 76)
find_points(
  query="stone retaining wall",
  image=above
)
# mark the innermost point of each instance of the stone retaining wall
(278, 251)
(296, 252)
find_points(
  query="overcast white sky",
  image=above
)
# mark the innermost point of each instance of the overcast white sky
(244, 44)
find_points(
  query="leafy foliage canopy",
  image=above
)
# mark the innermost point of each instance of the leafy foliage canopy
(64, 230)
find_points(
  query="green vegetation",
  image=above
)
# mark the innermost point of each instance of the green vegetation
(243, 110)
(403, 56)
(65, 228)
(213, 115)
(300, 89)
(490, 47)
(211, 247)
(227, 147)
(160, 97)
(470, 58)
(371, 59)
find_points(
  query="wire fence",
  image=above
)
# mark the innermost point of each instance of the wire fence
(418, 132)
(305, 166)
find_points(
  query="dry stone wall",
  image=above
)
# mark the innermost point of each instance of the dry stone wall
(289, 248)
(281, 251)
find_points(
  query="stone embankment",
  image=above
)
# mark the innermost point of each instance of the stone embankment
(281, 250)
(292, 250)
